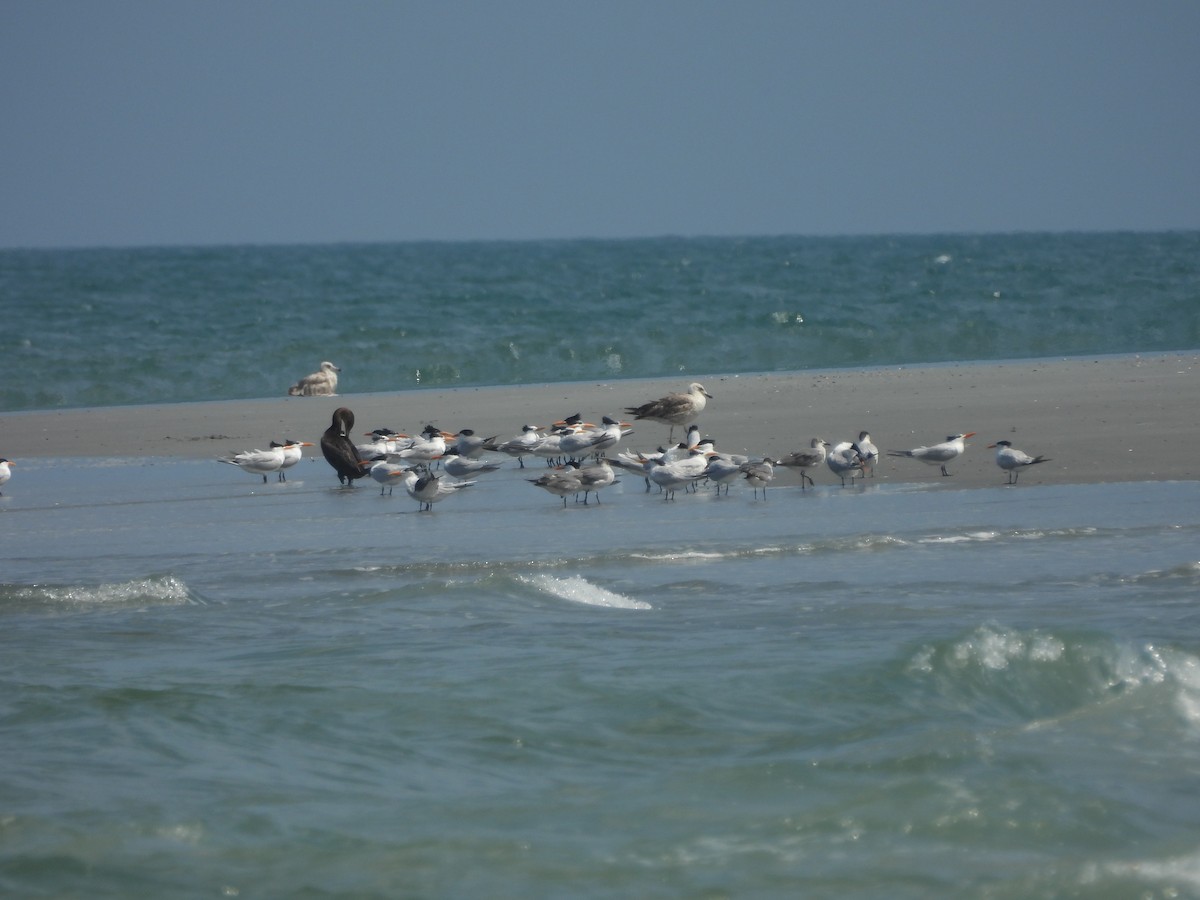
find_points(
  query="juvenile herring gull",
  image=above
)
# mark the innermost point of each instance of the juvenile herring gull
(322, 383)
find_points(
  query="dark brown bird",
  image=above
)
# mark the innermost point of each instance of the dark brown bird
(339, 449)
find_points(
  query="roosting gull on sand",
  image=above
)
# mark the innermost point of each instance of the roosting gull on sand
(674, 409)
(322, 383)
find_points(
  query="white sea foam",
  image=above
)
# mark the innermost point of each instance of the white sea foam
(146, 591)
(580, 590)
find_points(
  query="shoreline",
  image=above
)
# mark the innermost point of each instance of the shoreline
(1098, 419)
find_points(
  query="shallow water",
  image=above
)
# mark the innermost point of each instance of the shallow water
(215, 686)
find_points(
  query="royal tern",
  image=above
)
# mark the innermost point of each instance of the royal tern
(339, 451)
(293, 452)
(1012, 460)
(469, 445)
(674, 409)
(609, 433)
(520, 446)
(5, 471)
(427, 488)
(805, 459)
(429, 445)
(383, 440)
(257, 462)
(844, 460)
(387, 474)
(867, 452)
(939, 454)
(461, 466)
(322, 383)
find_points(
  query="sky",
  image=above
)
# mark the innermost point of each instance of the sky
(149, 123)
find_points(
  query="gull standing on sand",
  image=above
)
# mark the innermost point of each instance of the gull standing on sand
(674, 409)
(322, 383)
(759, 473)
(806, 459)
(939, 454)
(5, 471)
(867, 452)
(595, 477)
(561, 482)
(339, 451)
(1012, 460)
(257, 462)
(844, 460)
(678, 472)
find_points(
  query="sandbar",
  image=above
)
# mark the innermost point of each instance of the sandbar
(1098, 419)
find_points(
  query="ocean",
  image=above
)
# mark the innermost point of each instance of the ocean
(117, 327)
(212, 686)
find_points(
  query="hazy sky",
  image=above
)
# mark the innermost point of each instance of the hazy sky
(177, 122)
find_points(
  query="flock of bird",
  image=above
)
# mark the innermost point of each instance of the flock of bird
(583, 458)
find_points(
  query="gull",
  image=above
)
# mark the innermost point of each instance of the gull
(721, 470)
(867, 452)
(844, 459)
(806, 459)
(322, 383)
(759, 473)
(520, 446)
(5, 471)
(938, 454)
(387, 474)
(680, 472)
(596, 476)
(1012, 460)
(339, 451)
(257, 462)
(427, 488)
(293, 452)
(674, 409)
(561, 482)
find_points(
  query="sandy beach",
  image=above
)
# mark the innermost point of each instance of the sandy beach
(1106, 419)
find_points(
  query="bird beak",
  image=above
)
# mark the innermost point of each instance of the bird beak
(990, 446)
(968, 434)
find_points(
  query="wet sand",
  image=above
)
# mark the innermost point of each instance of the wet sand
(1106, 419)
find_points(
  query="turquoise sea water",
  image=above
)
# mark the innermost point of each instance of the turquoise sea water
(114, 327)
(211, 686)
